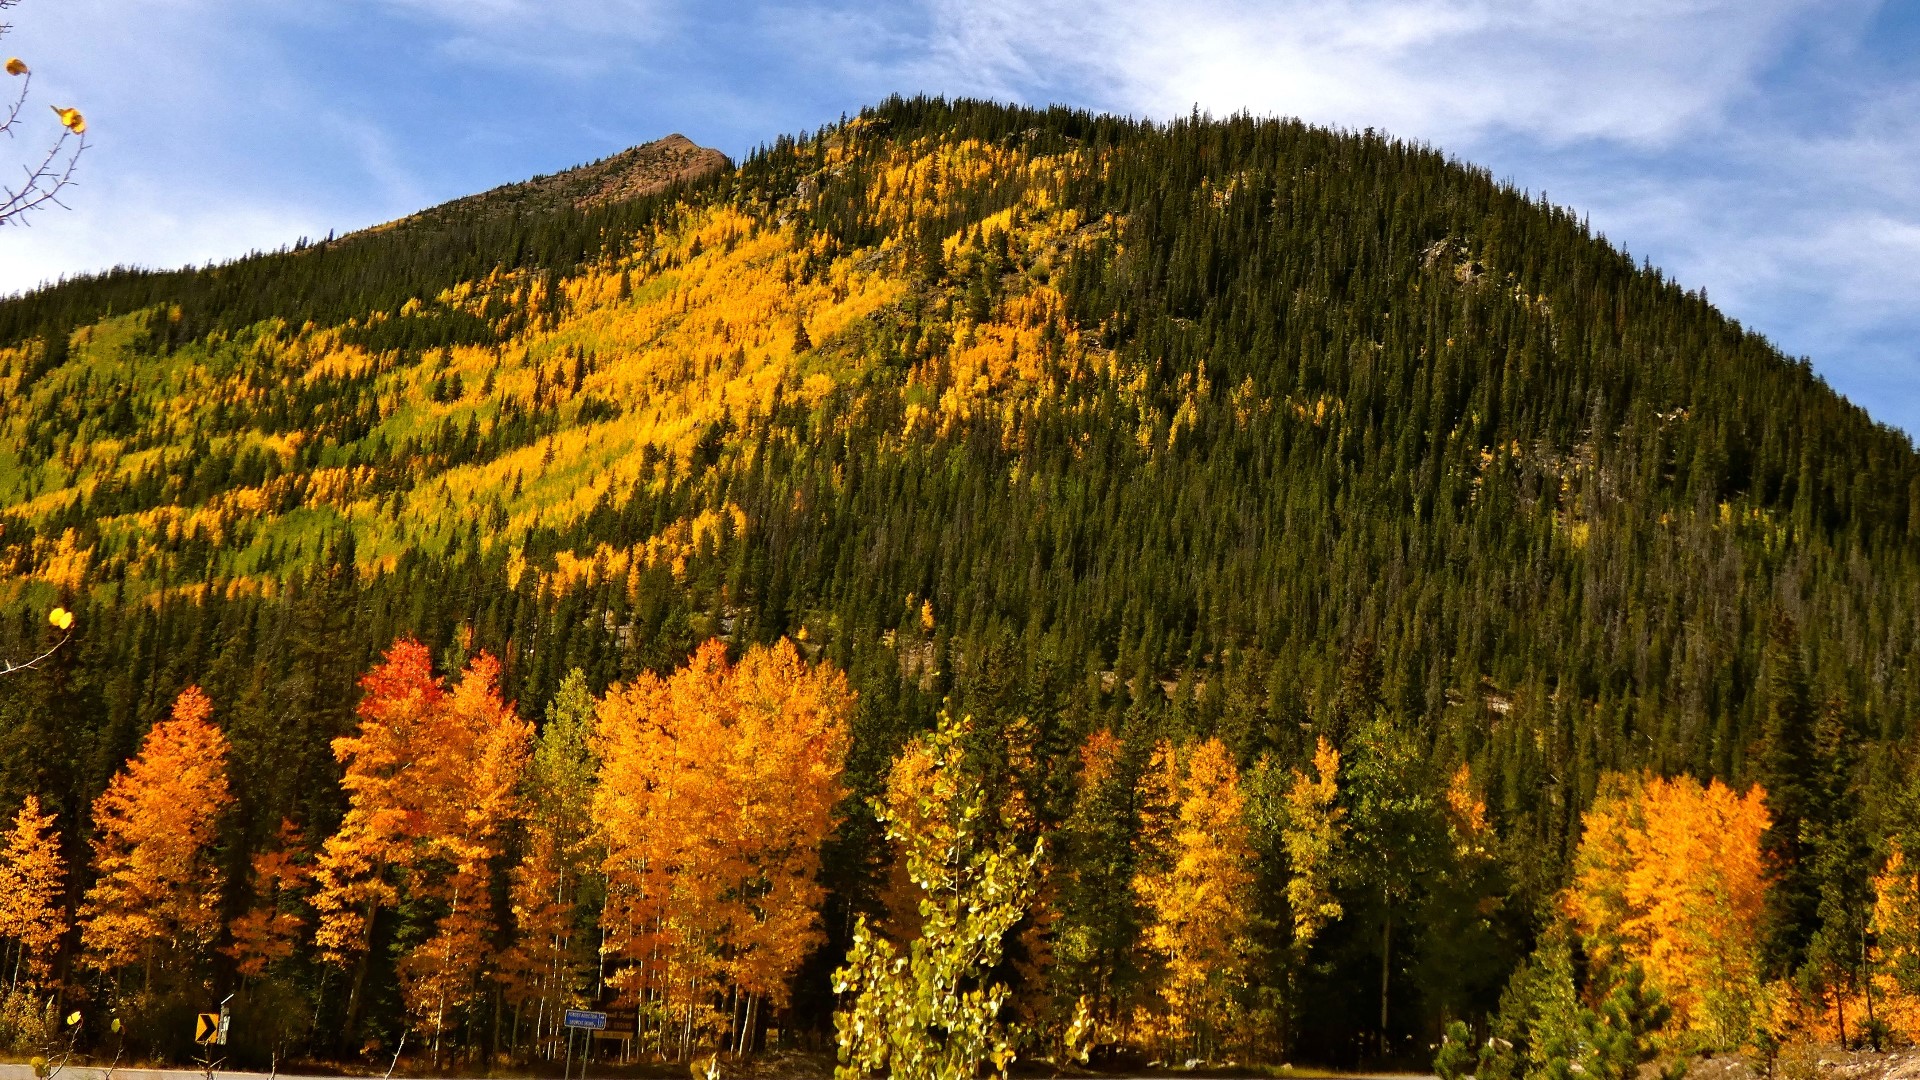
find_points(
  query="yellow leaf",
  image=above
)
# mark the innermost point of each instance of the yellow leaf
(16, 66)
(61, 618)
(71, 119)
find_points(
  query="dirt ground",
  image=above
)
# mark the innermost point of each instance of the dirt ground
(1813, 1063)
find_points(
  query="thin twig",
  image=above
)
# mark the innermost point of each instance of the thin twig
(396, 1054)
(8, 667)
(43, 184)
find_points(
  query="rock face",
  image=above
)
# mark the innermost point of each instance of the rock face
(642, 170)
(629, 174)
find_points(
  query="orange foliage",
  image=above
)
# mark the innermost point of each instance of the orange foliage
(717, 788)
(156, 889)
(266, 933)
(32, 908)
(432, 780)
(1669, 875)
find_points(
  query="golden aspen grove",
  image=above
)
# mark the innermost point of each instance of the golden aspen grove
(969, 589)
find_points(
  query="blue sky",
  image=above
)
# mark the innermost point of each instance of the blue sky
(1767, 150)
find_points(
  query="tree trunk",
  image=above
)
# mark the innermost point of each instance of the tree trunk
(1866, 987)
(359, 981)
(1386, 967)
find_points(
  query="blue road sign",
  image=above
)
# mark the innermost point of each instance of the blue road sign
(585, 1018)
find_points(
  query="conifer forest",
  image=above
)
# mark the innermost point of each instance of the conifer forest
(964, 589)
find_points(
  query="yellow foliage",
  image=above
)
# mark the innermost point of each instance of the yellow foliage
(717, 787)
(33, 912)
(1315, 826)
(1197, 896)
(1669, 875)
(618, 378)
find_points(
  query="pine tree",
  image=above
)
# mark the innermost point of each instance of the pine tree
(1789, 773)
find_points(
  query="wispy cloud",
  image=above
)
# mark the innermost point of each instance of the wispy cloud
(1642, 71)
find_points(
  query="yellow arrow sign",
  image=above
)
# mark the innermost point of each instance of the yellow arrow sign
(206, 1028)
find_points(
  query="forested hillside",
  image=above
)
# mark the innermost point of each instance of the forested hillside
(1312, 481)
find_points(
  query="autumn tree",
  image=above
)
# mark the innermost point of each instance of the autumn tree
(267, 932)
(1894, 960)
(433, 778)
(33, 915)
(155, 900)
(1669, 875)
(1313, 829)
(717, 787)
(555, 889)
(930, 1009)
(1197, 892)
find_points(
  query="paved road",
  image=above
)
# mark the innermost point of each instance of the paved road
(88, 1072)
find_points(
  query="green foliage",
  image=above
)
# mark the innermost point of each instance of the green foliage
(29, 1022)
(1546, 1031)
(1622, 1032)
(1455, 1059)
(935, 1012)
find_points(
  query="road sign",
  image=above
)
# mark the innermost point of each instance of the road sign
(586, 1018)
(206, 1028)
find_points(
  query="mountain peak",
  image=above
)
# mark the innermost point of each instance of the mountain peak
(631, 173)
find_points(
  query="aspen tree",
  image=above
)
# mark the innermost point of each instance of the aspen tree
(33, 915)
(155, 899)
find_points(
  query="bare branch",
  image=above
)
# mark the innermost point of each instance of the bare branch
(55, 172)
(19, 103)
(43, 183)
(8, 667)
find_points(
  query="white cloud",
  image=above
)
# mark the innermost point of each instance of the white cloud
(1642, 71)
(148, 227)
(578, 38)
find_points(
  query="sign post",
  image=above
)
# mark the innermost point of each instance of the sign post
(587, 1020)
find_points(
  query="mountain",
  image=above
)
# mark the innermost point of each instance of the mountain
(647, 169)
(1217, 427)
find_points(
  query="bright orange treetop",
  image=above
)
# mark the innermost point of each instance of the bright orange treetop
(1669, 875)
(156, 889)
(717, 787)
(31, 875)
(432, 779)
